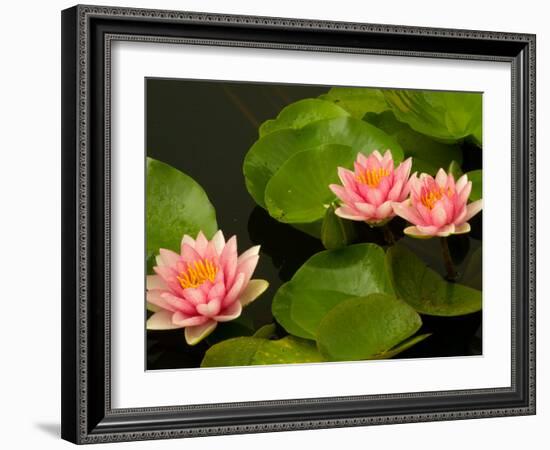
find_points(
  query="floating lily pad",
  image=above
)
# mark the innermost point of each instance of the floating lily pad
(326, 279)
(356, 100)
(399, 348)
(301, 113)
(476, 177)
(364, 327)
(176, 205)
(448, 116)
(270, 152)
(428, 155)
(299, 192)
(425, 290)
(250, 351)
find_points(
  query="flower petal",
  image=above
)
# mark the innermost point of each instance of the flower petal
(461, 182)
(416, 233)
(441, 178)
(155, 282)
(439, 215)
(194, 295)
(161, 320)
(231, 312)
(211, 308)
(366, 209)
(188, 240)
(183, 320)
(407, 212)
(473, 208)
(384, 211)
(347, 213)
(167, 258)
(201, 243)
(447, 230)
(252, 251)
(219, 241)
(253, 290)
(153, 308)
(193, 335)
(461, 229)
(154, 297)
(235, 290)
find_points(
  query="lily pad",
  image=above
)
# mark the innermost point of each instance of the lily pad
(476, 177)
(364, 327)
(357, 100)
(301, 113)
(335, 231)
(270, 152)
(428, 155)
(425, 290)
(250, 351)
(299, 192)
(405, 345)
(176, 205)
(448, 116)
(326, 279)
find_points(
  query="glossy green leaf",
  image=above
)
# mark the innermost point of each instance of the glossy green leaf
(299, 192)
(270, 152)
(266, 331)
(364, 327)
(176, 205)
(425, 290)
(335, 231)
(250, 351)
(476, 177)
(301, 113)
(326, 279)
(356, 100)
(448, 116)
(428, 155)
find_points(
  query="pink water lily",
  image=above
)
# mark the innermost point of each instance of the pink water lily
(368, 193)
(206, 283)
(438, 207)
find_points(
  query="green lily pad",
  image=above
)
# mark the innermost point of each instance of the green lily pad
(364, 327)
(250, 351)
(299, 192)
(270, 152)
(425, 290)
(176, 205)
(428, 155)
(357, 100)
(326, 279)
(335, 231)
(476, 177)
(448, 116)
(301, 113)
(266, 331)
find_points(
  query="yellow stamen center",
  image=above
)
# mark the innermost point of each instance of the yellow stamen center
(431, 197)
(197, 273)
(372, 177)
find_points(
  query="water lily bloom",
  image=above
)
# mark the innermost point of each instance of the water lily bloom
(438, 206)
(206, 283)
(369, 191)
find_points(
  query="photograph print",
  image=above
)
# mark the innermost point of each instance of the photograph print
(300, 224)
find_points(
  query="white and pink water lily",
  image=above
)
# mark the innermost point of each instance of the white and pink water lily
(438, 206)
(206, 283)
(368, 192)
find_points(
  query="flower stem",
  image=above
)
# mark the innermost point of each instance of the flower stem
(388, 235)
(449, 266)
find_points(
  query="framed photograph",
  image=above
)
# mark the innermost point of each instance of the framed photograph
(281, 224)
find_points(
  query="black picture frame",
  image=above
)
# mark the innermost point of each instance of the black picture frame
(87, 33)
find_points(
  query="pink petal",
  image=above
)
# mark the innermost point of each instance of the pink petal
(384, 211)
(430, 230)
(219, 242)
(188, 240)
(247, 267)
(167, 258)
(253, 290)
(447, 230)
(154, 297)
(180, 304)
(228, 260)
(235, 290)
(161, 320)
(218, 290)
(441, 178)
(439, 216)
(416, 233)
(201, 243)
(155, 282)
(183, 320)
(362, 159)
(464, 194)
(374, 196)
(366, 209)
(252, 251)
(407, 212)
(375, 156)
(473, 208)
(189, 255)
(347, 213)
(395, 192)
(211, 308)
(461, 182)
(153, 308)
(193, 335)
(403, 170)
(194, 296)
(347, 177)
(346, 195)
(231, 312)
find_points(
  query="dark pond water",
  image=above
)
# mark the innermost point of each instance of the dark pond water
(205, 129)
